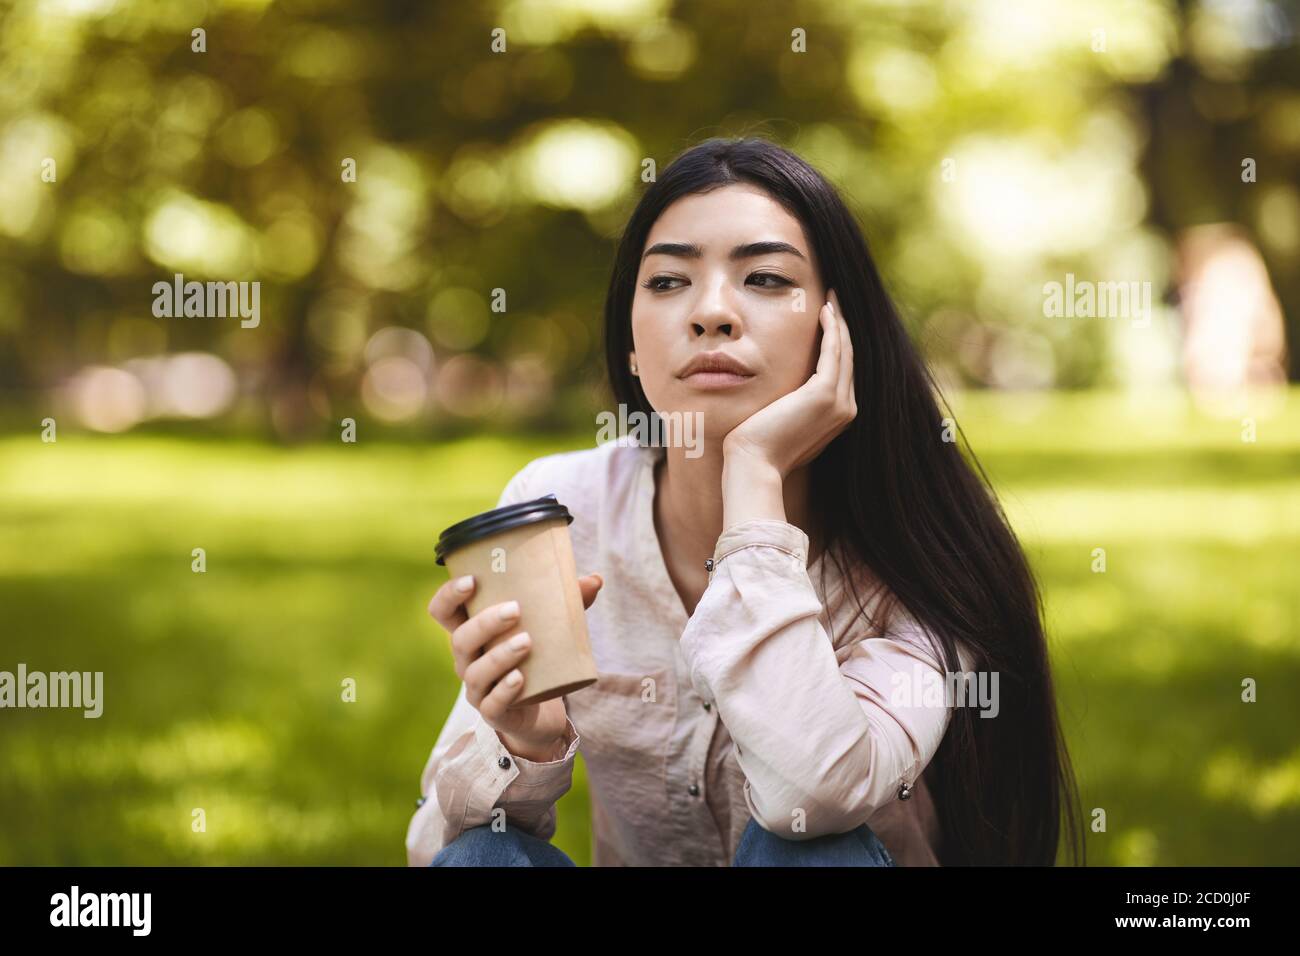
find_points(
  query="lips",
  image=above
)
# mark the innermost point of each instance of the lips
(715, 362)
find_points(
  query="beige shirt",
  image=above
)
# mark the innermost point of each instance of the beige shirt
(773, 700)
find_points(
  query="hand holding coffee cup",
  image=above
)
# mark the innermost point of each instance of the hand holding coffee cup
(524, 581)
(492, 678)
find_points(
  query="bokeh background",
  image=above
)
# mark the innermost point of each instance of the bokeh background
(989, 147)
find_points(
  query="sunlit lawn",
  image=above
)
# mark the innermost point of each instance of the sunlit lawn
(223, 689)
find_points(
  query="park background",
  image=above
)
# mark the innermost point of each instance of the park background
(989, 147)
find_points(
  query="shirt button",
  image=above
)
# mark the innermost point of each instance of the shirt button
(504, 763)
(420, 802)
(694, 790)
(707, 705)
(905, 792)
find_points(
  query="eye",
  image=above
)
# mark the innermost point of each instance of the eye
(656, 283)
(777, 283)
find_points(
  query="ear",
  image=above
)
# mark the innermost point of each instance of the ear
(631, 362)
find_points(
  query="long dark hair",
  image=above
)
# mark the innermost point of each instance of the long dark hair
(904, 501)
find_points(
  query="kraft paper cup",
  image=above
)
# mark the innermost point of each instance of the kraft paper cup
(523, 553)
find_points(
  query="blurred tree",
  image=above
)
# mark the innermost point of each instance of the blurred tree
(404, 164)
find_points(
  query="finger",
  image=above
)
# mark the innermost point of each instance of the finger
(481, 675)
(846, 362)
(836, 350)
(845, 338)
(837, 323)
(589, 586)
(835, 301)
(447, 606)
(468, 639)
(493, 706)
(827, 357)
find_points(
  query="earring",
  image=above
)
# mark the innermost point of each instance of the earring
(633, 364)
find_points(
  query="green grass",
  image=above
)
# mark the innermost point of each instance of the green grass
(223, 689)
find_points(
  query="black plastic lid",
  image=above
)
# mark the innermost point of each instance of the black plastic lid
(498, 520)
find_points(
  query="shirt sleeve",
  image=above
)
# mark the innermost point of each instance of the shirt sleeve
(470, 773)
(823, 736)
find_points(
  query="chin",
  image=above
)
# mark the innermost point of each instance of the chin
(707, 420)
(717, 429)
(720, 417)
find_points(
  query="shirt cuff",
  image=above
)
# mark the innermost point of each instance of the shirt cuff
(764, 588)
(519, 772)
(763, 532)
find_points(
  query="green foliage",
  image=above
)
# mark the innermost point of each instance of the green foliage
(987, 148)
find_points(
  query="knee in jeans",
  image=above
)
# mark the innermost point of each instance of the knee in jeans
(483, 846)
(859, 847)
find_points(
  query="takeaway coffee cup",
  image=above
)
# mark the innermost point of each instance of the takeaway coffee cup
(523, 553)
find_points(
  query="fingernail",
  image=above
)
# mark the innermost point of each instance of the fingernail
(509, 609)
(830, 305)
(520, 641)
(464, 584)
(514, 677)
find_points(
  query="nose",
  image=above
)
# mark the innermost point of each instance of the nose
(715, 313)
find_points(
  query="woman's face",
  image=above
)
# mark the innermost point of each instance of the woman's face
(726, 272)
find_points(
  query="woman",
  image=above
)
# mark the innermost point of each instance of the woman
(781, 596)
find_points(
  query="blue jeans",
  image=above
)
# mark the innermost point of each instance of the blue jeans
(482, 846)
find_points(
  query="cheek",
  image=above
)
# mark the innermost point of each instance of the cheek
(652, 356)
(647, 318)
(810, 347)
(794, 353)
(645, 340)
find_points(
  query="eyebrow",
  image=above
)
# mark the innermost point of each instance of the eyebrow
(691, 250)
